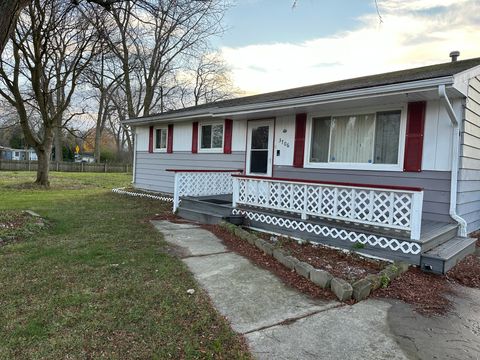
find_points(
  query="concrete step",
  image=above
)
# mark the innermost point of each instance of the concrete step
(199, 216)
(445, 256)
(221, 209)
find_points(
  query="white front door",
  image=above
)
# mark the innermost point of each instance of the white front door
(260, 147)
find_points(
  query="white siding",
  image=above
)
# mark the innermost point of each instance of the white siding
(142, 137)
(182, 136)
(469, 176)
(239, 135)
(284, 140)
(437, 142)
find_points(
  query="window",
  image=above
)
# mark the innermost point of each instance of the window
(372, 138)
(161, 139)
(211, 136)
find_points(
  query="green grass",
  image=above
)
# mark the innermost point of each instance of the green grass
(97, 282)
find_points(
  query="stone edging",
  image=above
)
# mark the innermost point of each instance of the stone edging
(344, 291)
(122, 191)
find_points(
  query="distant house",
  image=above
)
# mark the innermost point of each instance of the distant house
(7, 153)
(388, 162)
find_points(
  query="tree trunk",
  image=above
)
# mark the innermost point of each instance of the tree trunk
(10, 9)
(58, 145)
(98, 141)
(43, 167)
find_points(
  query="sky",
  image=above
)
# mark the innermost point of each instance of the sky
(270, 46)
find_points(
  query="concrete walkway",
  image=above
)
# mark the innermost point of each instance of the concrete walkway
(281, 323)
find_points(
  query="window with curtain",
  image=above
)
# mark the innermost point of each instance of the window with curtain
(367, 138)
(161, 139)
(211, 136)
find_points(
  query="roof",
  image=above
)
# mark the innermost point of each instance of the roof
(390, 78)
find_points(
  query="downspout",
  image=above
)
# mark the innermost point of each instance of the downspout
(455, 155)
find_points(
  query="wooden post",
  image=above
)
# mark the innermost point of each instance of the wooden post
(236, 189)
(57, 166)
(416, 215)
(105, 167)
(176, 196)
(81, 166)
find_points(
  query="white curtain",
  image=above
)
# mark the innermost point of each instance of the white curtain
(352, 138)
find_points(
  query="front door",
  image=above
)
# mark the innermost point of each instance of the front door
(260, 147)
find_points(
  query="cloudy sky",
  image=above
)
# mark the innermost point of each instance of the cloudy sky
(270, 46)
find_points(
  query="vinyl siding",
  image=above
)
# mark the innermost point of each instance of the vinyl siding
(468, 204)
(150, 167)
(436, 184)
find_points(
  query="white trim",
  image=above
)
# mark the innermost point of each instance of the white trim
(364, 93)
(199, 141)
(384, 242)
(135, 142)
(357, 166)
(462, 230)
(160, 150)
(271, 124)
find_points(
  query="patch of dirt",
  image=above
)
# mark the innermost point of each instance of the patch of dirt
(265, 261)
(428, 293)
(18, 225)
(346, 265)
(467, 272)
(169, 216)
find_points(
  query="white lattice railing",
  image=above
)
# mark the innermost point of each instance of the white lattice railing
(387, 207)
(201, 183)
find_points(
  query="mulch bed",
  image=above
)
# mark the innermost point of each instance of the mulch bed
(467, 272)
(346, 265)
(259, 258)
(426, 292)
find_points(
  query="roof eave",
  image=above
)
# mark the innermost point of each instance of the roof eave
(374, 91)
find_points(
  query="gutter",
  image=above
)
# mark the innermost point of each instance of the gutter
(455, 155)
(375, 91)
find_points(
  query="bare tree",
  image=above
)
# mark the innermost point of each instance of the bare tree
(211, 80)
(10, 10)
(154, 39)
(105, 76)
(51, 47)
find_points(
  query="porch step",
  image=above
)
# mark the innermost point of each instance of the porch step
(212, 206)
(445, 256)
(438, 235)
(199, 216)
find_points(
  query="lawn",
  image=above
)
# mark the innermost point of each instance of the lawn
(98, 281)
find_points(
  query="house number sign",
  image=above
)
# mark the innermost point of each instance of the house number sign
(282, 141)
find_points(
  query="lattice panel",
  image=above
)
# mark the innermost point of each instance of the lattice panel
(386, 208)
(208, 183)
(332, 232)
(122, 191)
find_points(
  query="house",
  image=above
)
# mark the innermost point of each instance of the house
(388, 161)
(7, 153)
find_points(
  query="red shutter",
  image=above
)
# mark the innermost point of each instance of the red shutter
(170, 139)
(150, 140)
(194, 137)
(227, 141)
(414, 136)
(299, 144)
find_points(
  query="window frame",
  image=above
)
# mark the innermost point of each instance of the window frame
(357, 166)
(161, 150)
(200, 130)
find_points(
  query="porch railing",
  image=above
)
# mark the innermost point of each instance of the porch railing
(201, 183)
(382, 206)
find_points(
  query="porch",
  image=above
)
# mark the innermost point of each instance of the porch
(380, 221)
